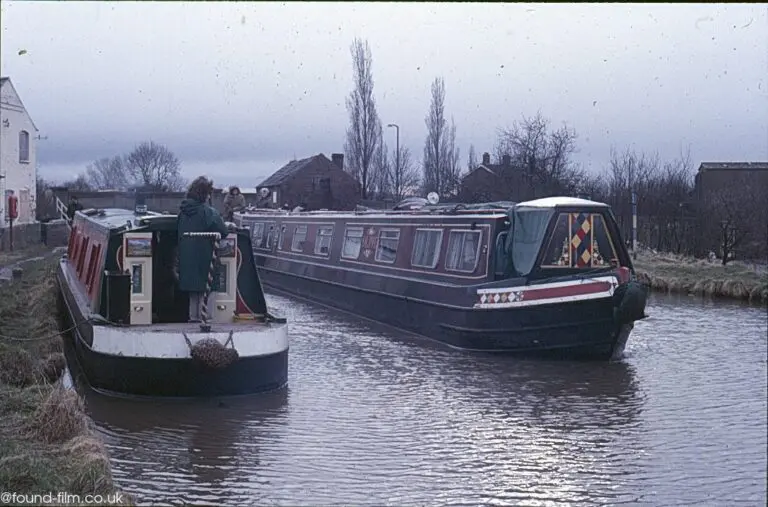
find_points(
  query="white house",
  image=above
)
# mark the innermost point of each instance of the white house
(18, 155)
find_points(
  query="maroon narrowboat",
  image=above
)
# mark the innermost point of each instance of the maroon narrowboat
(546, 277)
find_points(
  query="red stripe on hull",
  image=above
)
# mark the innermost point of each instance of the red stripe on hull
(569, 290)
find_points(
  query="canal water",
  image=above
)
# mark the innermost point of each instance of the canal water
(373, 418)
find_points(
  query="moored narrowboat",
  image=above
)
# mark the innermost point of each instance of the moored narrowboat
(546, 277)
(129, 322)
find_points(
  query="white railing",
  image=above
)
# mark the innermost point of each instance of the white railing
(61, 209)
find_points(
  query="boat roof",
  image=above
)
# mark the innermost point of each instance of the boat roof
(495, 209)
(117, 218)
(557, 202)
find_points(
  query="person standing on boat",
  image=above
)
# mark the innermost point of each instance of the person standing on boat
(233, 201)
(197, 215)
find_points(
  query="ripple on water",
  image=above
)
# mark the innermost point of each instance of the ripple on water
(370, 417)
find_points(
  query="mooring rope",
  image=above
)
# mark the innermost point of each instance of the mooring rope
(216, 237)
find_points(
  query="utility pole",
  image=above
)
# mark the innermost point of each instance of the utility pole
(634, 225)
(397, 156)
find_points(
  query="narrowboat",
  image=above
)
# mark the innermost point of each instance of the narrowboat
(129, 322)
(547, 277)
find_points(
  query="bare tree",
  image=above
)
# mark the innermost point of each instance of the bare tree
(109, 173)
(79, 184)
(543, 157)
(737, 212)
(441, 156)
(472, 159)
(364, 131)
(451, 155)
(380, 173)
(405, 177)
(154, 167)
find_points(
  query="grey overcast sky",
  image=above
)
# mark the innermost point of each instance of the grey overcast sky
(238, 89)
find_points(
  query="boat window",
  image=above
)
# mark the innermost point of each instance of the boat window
(299, 238)
(426, 248)
(323, 240)
(353, 241)
(501, 254)
(528, 230)
(281, 238)
(386, 250)
(463, 251)
(579, 240)
(257, 233)
(270, 238)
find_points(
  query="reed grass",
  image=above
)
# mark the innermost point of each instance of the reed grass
(685, 275)
(47, 440)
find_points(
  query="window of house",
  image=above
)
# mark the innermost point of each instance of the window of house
(386, 250)
(23, 146)
(323, 240)
(299, 238)
(579, 240)
(426, 248)
(353, 241)
(463, 251)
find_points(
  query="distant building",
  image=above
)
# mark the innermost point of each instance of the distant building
(495, 182)
(315, 182)
(731, 200)
(713, 177)
(18, 155)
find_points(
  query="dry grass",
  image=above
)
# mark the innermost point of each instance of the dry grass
(678, 274)
(7, 258)
(46, 438)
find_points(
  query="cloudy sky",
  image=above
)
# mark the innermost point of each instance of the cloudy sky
(238, 89)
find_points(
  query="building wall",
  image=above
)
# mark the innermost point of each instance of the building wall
(19, 176)
(306, 187)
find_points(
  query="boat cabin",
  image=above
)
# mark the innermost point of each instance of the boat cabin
(459, 244)
(124, 264)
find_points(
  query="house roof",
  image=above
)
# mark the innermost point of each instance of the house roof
(3, 81)
(293, 167)
(482, 167)
(750, 166)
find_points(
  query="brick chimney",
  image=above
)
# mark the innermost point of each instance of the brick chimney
(338, 159)
(506, 161)
(486, 158)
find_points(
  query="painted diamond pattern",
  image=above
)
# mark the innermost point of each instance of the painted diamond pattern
(496, 297)
(504, 297)
(576, 241)
(585, 257)
(483, 299)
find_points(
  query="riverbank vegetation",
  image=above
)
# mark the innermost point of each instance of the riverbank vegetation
(665, 272)
(47, 440)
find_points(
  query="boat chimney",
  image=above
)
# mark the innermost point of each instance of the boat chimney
(486, 158)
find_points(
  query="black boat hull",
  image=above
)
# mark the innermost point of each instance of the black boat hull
(574, 330)
(166, 377)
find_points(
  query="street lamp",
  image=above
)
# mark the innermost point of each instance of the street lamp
(397, 156)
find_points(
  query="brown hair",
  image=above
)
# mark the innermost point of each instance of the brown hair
(200, 188)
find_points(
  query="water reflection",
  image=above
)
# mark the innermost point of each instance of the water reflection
(201, 448)
(372, 417)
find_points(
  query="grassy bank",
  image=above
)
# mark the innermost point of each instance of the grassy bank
(684, 275)
(47, 441)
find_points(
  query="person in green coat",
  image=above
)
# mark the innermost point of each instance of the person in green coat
(197, 215)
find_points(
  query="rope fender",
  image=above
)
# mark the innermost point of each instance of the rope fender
(211, 353)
